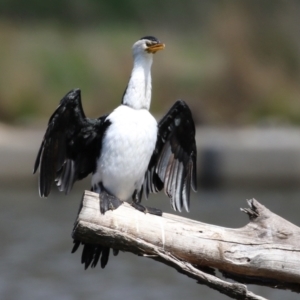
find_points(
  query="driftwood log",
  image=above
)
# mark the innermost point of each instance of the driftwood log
(266, 251)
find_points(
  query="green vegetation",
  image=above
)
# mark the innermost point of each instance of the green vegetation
(234, 62)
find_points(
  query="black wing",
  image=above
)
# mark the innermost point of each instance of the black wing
(70, 146)
(173, 163)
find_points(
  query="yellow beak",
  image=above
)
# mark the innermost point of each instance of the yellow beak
(155, 47)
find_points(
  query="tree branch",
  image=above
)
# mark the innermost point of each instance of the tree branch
(266, 251)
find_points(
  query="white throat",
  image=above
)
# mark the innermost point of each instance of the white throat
(138, 92)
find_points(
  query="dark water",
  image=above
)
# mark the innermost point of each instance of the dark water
(36, 262)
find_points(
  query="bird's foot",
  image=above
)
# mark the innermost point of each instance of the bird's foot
(108, 202)
(146, 209)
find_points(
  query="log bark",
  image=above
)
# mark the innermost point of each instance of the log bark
(266, 251)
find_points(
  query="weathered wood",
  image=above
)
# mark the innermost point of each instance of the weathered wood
(265, 251)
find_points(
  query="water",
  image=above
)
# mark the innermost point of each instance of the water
(36, 262)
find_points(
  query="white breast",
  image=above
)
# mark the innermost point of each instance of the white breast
(127, 147)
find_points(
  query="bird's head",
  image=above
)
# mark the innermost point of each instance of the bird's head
(138, 92)
(147, 45)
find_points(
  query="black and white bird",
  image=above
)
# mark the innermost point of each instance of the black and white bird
(127, 152)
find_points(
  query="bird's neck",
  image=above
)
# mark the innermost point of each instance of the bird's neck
(138, 92)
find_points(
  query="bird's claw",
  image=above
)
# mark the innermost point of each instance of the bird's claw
(108, 202)
(146, 209)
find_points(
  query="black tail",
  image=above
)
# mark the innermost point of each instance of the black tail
(91, 254)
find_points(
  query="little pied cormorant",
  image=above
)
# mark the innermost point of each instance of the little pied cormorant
(126, 151)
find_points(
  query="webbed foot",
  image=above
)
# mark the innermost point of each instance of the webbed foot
(146, 209)
(108, 202)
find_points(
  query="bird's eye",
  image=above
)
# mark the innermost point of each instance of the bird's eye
(151, 43)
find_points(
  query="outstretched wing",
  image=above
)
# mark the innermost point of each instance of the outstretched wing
(70, 146)
(173, 163)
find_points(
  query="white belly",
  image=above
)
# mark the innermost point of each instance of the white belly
(127, 147)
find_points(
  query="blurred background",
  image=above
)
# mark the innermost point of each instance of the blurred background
(237, 65)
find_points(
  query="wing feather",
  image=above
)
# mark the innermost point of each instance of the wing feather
(173, 163)
(70, 145)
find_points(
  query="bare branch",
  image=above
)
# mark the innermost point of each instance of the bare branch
(265, 251)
